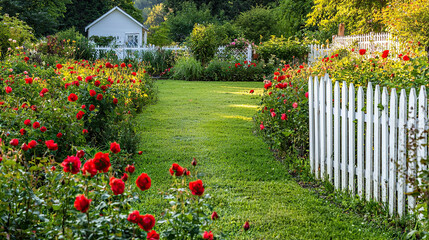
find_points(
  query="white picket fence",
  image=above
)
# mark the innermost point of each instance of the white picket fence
(373, 42)
(372, 163)
(318, 52)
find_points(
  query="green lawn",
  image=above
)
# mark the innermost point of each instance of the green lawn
(212, 121)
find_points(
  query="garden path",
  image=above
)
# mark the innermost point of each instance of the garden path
(212, 121)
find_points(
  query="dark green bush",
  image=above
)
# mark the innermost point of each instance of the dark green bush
(282, 49)
(188, 68)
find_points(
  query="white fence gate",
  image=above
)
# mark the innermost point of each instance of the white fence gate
(372, 163)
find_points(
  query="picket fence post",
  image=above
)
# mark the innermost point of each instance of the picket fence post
(311, 121)
(329, 128)
(360, 142)
(377, 142)
(369, 143)
(402, 152)
(337, 114)
(352, 141)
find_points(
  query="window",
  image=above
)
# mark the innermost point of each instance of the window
(132, 39)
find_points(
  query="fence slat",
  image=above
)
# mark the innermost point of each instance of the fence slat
(393, 151)
(412, 124)
(322, 103)
(422, 134)
(360, 141)
(344, 138)
(402, 151)
(384, 145)
(329, 128)
(337, 135)
(352, 141)
(368, 143)
(311, 121)
(316, 127)
(377, 144)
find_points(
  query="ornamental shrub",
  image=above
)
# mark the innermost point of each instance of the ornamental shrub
(187, 68)
(282, 49)
(203, 43)
(13, 34)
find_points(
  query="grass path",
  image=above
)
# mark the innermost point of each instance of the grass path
(212, 121)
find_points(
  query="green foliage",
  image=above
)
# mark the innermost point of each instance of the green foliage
(157, 15)
(204, 42)
(78, 43)
(158, 61)
(13, 33)
(160, 35)
(282, 49)
(293, 15)
(102, 40)
(233, 70)
(187, 68)
(257, 24)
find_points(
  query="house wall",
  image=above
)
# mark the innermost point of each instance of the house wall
(118, 25)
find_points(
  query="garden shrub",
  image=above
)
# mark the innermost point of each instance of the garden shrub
(233, 70)
(158, 61)
(203, 43)
(187, 68)
(282, 49)
(257, 24)
(13, 34)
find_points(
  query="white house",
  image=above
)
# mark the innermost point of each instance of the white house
(117, 23)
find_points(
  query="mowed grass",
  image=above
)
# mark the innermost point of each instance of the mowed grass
(212, 121)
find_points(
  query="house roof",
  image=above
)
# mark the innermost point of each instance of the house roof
(109, 12)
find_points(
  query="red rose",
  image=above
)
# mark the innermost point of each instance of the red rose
(140, 152)
(99, 97)
(252, 91)
(26, 59)
(53, 168)
(84, 131)
(143, 182)
(246, 226)
(284, 117)
(59, 66)
(385, 54)
(406, 58)
(80, 153)
(134, 217)
(124, 177)
(28, 80)
(43, 129)
(32, 144)
(59, 135)
(36, 125)
(152, 235)
(362, 51)
(88, 79)
(146, 222)
(8, 89)
(89, 168)
(79, 78)
(115, 101)
(51, 145)
(22, 131)
(72, 97)
(262, 126)
(117, 185)
(27, 122)
(134, 73)
(91, 107)
(176, 169)
(129, 65)
(215, 216)
(306, 94)
(268, 85)
(82, 203)
(14, 142)
(97, 83)
(130, 168)
(208, 235)
(92, 93)
(123, 65)
(115, 148)
(197, 187)
(71, 164)
(102, 162)
(79, 115)
(83, 106)
(24, 147)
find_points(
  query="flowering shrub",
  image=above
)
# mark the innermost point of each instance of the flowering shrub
(238, 44)
(282, 49)
(232, 70)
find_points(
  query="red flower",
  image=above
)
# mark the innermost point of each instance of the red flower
(84, 131)
(92, 93)
(59, 66)
(262, 126)
(22, 131)
(115, 101)
(27, 122)
(88, 79)
(146, 222)
(252, 91)
(208, 235)
(26, 59)
(306, 94)
(102, 162)
(129, 65)
(97, 83)
(406, 58)
(72, 97)
(24, 147)
(29, 80)
(71, 164)
(99, 97)
(295, 105)
(194, 162)
(143, 182)
(134, 73)
(130, 168)
(79, 115)
(273, 114)
(83, 106)
(89, 168)
(152, 235)
(246, 226)
(91, 107)
(134, 217)
(385, 54)
(82, 203)
(284, 116)
(117, 185)
(197, 187)
(52, 145)
(115, 148)
(8, 89)
(123, 65)
(43, 129)
(215, 216)
(268, 85)
(36, 125)
(176, 169)
(59, 135)
(32, 144)
(124, 177)
(80, 153)
(362, 51)
(140, 152)
(14, 142)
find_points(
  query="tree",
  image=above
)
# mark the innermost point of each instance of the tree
(44, 16)
(156, 16)
(292, 15)
(257, 24)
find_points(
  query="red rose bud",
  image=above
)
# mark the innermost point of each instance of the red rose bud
(140, 152)
(246, 226)
(84, 131)
(124, 177)
(53, 168)
(59, 135)
(252, 91)
(215, 216)
(79, 115)
(194, 162)
(82, 203)
(143, 182)
(80, 153)
(130, 168)
(22, 131)
(14, 142)
(115, 148)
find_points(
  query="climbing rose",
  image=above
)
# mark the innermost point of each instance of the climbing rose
(51, 145)
(71, 164)
(146, 222)
(215, 216)
(246, 226)
(208, 235)
(115, 148)
(176, 169)
(385, 54)
(89, 168)
(82, 203)
(362, 51)
(102, 162)
(197, 187)
(143, 182)
(117, 185)
(130, 168)
(152, 235)
(134, 217)
(72, 97)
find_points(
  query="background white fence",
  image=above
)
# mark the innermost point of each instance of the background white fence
(365, 152)
(317, 52)
(128, 52)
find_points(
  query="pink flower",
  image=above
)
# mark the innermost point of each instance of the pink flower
(306, 94)
(273, 114)
(295, 105)
(262, 126)
(284, 116)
